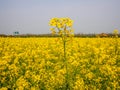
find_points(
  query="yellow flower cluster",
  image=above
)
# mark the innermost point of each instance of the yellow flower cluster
(116, 32)
(38, 64)
(63, 25)
(61, 22)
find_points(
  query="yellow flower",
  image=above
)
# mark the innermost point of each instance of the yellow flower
(115, 31)
(53, 31)
(90, 75)
(3, 88)
(79, 84)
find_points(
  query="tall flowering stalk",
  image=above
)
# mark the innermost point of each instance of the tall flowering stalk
(63, 28)
(116, 32)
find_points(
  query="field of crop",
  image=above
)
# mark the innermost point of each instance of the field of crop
(38, 64)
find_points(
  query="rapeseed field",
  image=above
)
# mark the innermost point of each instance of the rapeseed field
(39, 64)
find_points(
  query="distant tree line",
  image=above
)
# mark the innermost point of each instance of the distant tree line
(101, 35)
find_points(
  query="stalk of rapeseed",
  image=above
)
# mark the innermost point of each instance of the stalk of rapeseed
(64, 28)
(115, 32)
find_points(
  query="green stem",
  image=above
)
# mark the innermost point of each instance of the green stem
(66, 64)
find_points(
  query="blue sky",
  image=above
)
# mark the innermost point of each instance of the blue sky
(32, 16)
